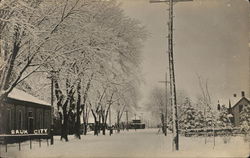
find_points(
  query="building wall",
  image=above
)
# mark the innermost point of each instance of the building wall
(15, 116)
(237, 109)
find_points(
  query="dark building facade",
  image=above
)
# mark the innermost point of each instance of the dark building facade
(22, 113)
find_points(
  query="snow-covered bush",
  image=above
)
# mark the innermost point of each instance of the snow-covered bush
(245, 119)
(223, 120)
(191, 116)
(245, 122)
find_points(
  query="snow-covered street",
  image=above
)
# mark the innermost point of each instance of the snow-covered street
(140, 143)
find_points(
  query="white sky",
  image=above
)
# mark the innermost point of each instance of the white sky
(211, 39)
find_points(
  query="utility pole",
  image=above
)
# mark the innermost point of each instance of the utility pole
(172, 79)
(135, 120)
(166, 102)
(110, 117)
(127, 118)
(175, 142)
(52, 76)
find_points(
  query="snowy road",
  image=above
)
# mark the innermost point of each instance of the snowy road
(142, 143)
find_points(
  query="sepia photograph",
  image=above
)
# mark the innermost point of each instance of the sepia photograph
(124, 78)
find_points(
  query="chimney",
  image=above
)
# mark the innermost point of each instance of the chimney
(218, 106)
(242, 93)
(235, 95)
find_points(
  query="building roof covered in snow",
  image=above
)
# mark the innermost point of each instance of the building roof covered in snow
(233, 100)
(24, 96)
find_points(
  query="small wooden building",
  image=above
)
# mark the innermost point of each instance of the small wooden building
(22, 113)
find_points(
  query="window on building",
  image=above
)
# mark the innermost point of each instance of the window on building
(30, 114)
(40, 120)
(9, 120)
(241, 108)
(20, 120)
(45, 120)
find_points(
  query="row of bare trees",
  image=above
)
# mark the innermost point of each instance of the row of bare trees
(90, 49)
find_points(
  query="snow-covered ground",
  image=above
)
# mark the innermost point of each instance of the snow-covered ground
(140, 143)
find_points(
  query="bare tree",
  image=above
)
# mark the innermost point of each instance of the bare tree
(209, 117)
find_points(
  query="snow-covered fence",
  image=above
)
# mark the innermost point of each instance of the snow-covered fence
(11, 139)
(210, 131)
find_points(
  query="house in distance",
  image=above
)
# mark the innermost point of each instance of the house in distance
(235, 107)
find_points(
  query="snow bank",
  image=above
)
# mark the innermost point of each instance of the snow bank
(139, 143)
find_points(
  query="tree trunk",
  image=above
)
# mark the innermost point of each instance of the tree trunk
(104, 128)
(118, 123)
(85, 118)
(78, 127)
(96, 123)
(64, 106)
(85, 128)
(64, 134)
(104, 131)
(7, 72)
(99, 124)
(78, 113)
(3, 96)
(96, 128)
(84, 107)
(103, 123)
(7, 79)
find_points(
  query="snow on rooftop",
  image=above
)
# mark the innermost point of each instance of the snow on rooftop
(233, 101)
(24, 96)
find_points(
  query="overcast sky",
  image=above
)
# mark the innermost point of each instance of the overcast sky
(211, 39)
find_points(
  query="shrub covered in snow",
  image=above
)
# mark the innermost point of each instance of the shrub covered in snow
(245, 122)
(223, 119)
(191, 117)
(245, 119)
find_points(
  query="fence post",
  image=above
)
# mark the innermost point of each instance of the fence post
(6, 145)
(30, 143)
(1, 143)
(39, 142)
(19, 143)
(214, 136)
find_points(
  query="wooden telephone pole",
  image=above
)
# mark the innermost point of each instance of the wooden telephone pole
(110, 123)
(52, 77)
(127, 119)
(166, 102)
(172, 71)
